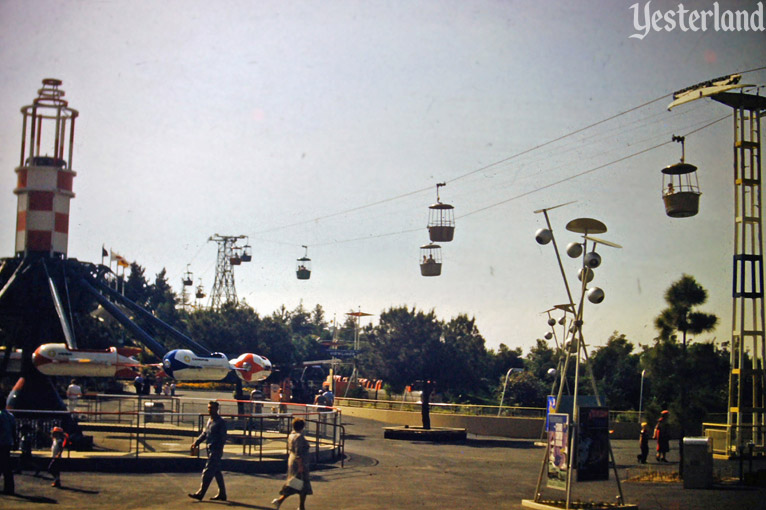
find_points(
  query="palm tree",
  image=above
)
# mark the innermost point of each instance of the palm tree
(682, 296)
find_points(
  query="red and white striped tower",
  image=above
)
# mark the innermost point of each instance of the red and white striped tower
(45, 175)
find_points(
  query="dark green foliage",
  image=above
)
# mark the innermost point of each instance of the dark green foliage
(540, 359)
(408, 346)
(681, 297)
(466, 361)
(137, 286)
(231, 330)
(504, 359)
(617, 373)
(405, 347)
(706, 381)
(677, 379)
(525, 390)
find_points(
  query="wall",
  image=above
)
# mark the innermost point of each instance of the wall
(519, 428)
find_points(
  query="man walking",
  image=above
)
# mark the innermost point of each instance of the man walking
(215, 437)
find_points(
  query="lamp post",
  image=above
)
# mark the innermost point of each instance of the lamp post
(641, 396)
(576, 345)
(505, 384)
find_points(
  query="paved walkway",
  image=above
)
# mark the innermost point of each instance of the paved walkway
(382, 474)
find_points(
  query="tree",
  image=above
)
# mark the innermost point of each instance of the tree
(465, 375)
(406, 349)
(708, 383)
(682, 296)
(617, 373)
(540, 359)
(137, 286)
(231, 330)
(503, 359)
(524, 389)
(162, 300)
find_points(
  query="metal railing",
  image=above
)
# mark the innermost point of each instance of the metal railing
(437, 407)
(469, 409)
(155, 424)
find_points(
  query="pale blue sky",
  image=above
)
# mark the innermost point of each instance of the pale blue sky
(240, 117)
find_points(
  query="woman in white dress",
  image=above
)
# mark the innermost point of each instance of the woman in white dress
(298, 479)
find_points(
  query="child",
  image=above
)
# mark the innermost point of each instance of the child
(643, 442)
(57, 449)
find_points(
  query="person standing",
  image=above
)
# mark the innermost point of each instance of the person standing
(73, 394)
(7, 437)
(57, 449)
(297, 467)
(329, 397)
(138, 384)
(320, 400)
(215, 437)
(662, 435)
(643, 442)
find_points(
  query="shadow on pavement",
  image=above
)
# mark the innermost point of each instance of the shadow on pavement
(35, 499)
(75, 489)
(500, 443)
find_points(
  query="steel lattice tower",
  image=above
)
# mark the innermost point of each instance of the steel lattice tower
(747, 389)
(224, 290)
(746, 421)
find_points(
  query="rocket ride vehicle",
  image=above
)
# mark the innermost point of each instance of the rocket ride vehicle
(58, 359)
(185, 365)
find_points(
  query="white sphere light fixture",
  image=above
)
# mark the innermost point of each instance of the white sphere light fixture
(595, 295)
(588, 274)
(543, 236)
(548, 335)
(574, 250)
(551, 321)
(593, 259)
(551, 371)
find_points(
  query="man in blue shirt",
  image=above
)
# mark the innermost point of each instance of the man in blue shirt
(215, 437)
(7, 437)
(329, 397)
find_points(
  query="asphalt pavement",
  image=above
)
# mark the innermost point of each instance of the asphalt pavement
(384, 474)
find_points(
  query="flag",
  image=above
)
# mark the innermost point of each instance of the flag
(121, 261)
(104, 253)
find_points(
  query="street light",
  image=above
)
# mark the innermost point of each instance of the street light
(507, 375)
(641, 396)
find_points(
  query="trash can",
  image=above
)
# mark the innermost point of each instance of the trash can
(698, 462)
(155, 412)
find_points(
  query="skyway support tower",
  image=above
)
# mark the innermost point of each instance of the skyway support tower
(746, 422)
(224, 291)
(747, 379)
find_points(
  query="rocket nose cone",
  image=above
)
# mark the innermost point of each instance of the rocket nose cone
(39, 359)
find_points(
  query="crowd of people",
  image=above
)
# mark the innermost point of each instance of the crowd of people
(143, 386)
